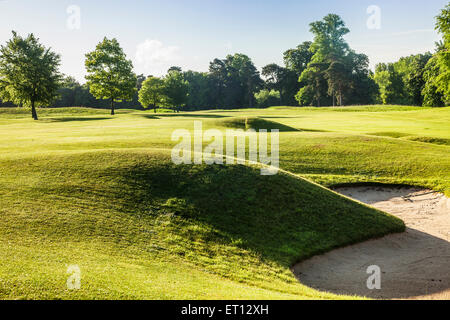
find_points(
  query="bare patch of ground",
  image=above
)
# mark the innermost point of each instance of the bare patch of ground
(414, 264)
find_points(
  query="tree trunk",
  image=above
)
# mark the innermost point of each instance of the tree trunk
(112, 106)
(33, 111)
(340, 99)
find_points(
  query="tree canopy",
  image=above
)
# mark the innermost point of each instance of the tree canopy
(322, 72)
(110, 74)
(175, 90)
(29, 73)
(151, 92)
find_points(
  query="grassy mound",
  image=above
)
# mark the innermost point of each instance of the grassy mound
(389, 134)
(433, 140)
(140, 227)
(255, 123)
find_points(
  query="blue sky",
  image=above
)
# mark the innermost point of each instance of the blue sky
(157, 34)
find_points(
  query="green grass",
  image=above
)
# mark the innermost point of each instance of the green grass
(81, 187)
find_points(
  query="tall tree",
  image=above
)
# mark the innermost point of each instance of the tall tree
(431, 96)
(151, 92)
(443, 56)
(175, 90)
(248, 75)
(339, 77)
(110, 74)
(315, 87)
(29, 73)
(234, 81)
(199, 89)
(329, 61)
(298, 59)
(277, 79)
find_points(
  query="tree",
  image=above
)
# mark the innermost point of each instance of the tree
(266, 98)
(382, 79)
(282, 80)
(339, 79)
(247, 74)
(295, 61)
(431, 96)
(412, 69)
(443, 56)
(315, 86)
(68, 92)
(110, 74)
(175, 90)
(29, 73)
(333, 68)
(391, 85)
(199, 93)
(151, 92)
(174, 68)
(234, 80)
(298, 59)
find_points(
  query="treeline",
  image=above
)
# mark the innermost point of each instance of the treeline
(323, 72)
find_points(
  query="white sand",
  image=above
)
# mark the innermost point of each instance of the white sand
(414, 264)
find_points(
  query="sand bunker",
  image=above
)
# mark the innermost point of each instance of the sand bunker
(414, 264)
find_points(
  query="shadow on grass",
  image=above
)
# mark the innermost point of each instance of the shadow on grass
(70, 119)
(255, 123)
(404, 275)
(281, 218)
(432, 140)
(149, 116)
(190, 115)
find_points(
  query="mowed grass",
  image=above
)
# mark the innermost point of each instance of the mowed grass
(80, 187)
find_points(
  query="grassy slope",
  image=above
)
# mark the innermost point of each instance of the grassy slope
(101, 193)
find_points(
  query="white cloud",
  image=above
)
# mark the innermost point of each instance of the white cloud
(155, 58)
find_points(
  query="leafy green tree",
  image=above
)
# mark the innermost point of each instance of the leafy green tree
(248, 75)
(175, 90)
(266, 98)
(414, 77)
(443, 79)
(174, 68)
(431, 96)
(391, 84)
(339, 77)
(110, 74)
(234, 81)
(315, 87)
(382, 79)
(281, 79)
(68, 92)
(199, 89)
(298, 59)
(363, 89)
(331, 71)
(29, 73)
(329, 40)
(151, 92)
